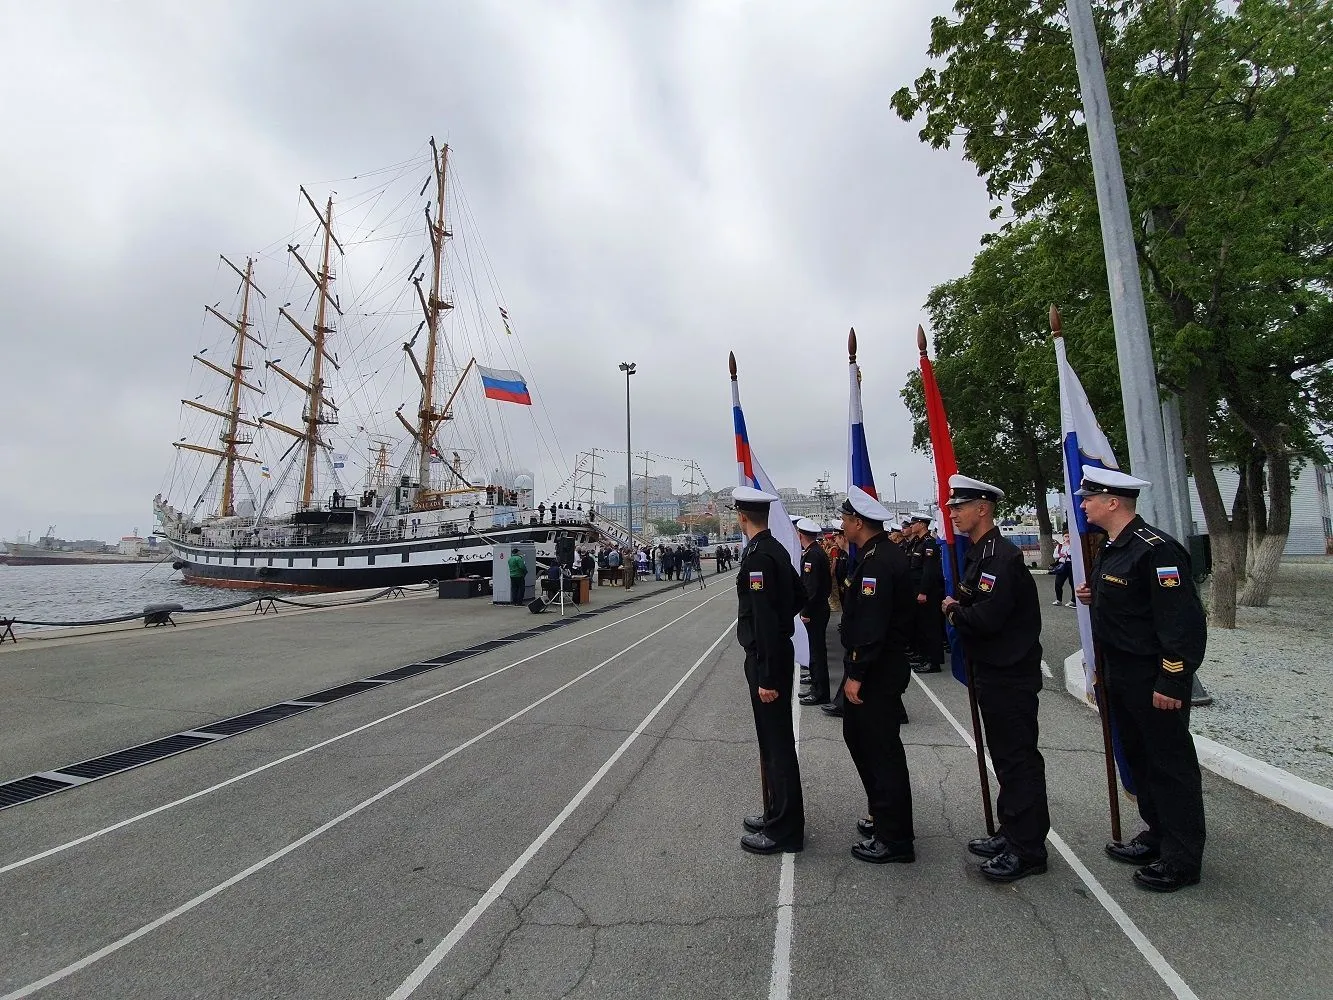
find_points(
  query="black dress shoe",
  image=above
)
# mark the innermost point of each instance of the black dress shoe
(926, 668)
(755, 824)
(814, 699)
(882, 852)
(988, 847)
(833, 709)
(1009, 867)
(866, 826)
(1162, 877)
(1136, 852)
(762, 843)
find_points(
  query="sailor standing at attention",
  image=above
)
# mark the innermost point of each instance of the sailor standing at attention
(815, 612)
(877, 613)
(768, 597)
(998, 618)
(1150, 628)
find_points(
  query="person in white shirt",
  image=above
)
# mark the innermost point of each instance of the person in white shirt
(1063, 570)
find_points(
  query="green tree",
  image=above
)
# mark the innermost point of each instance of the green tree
(1223, 116)
(665, 526)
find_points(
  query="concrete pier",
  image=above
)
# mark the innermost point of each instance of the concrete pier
(560, 816)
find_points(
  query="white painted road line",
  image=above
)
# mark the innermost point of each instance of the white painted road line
(1146, 948)
(120, 825)
(263, 863)
(779, 979)
(441, 950)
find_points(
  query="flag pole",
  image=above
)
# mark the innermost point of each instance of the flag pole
(1098, 668)
(977, 737)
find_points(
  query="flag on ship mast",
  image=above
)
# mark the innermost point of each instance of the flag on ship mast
(751, 473)
(504, 318)
(504, 385)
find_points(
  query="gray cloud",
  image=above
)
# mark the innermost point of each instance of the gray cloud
(657, 182)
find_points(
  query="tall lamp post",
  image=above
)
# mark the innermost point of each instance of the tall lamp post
(628, 367)
(894, 477)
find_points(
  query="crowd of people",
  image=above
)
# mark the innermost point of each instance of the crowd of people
(1147, 619)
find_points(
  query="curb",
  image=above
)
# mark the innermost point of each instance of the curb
(1269, 782)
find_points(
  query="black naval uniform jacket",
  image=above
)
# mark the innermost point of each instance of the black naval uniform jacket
(1145, 606)
(768, 596)
(877, 605)
(928, 568)
(818, 583)
(998, 614)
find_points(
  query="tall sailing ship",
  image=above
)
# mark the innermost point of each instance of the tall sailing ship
(416, 515)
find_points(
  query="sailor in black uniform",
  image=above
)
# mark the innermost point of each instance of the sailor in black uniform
(998, 618)
(876, 619)
(769, 594)
(928, 572)
(1150, 629)
(815, 611)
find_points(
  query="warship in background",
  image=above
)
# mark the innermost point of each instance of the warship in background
(52, 551)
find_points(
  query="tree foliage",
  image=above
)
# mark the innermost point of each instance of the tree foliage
(1226, 136)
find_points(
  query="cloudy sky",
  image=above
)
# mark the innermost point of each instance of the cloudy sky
(658, 182)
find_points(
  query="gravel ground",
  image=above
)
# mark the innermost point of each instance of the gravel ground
(1271, 678)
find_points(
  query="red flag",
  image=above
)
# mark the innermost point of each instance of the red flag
(941, 444)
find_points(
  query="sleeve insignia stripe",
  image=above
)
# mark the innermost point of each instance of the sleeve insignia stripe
(1168, 576)
(987, 583)
(757, 581)
(868, 586)
(1173, 666)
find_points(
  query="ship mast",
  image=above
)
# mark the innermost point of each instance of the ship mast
(230, 436)
(316, 402)
(429, 416)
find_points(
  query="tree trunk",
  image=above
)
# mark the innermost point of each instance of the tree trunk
(1045, 530)
(1240, 515)
(1264, 566)
(1198, 406)
(1253, 474)
(1040, 488)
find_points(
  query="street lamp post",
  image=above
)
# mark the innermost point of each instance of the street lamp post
(894, 477)
(628, 367)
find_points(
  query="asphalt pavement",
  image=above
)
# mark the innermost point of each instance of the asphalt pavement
(560, 817)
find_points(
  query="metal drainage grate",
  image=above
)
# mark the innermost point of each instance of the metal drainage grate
(455, 656)
(483, 647)
(341, 691)
(121, 760)
(252, 720)
(401, 673)
(26, 789)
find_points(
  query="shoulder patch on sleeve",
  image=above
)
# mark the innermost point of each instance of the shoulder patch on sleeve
(869, 585)
(757, 581)
(987, 583)
(1168, 576)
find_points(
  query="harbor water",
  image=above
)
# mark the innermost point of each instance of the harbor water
(82, 593)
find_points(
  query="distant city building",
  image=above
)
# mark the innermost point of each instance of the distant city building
(659, 488)
(658, 510)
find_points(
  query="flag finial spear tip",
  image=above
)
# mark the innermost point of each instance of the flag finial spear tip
(731, 364)
(1056, 330)
(920, 339)
(851, 345)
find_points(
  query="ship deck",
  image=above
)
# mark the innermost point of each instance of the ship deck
(558, 816)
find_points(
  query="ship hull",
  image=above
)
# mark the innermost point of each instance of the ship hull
(357, 566)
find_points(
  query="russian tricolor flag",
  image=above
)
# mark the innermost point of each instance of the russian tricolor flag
(506, 386)
(1083, 443)
(858, 465)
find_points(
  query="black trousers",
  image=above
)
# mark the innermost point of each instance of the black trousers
(816, 630)
(1162, 761)
(784, 807)
(518, 586)
(871, 732)
(1007, 697)
(1063, 574)
(928, 640)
